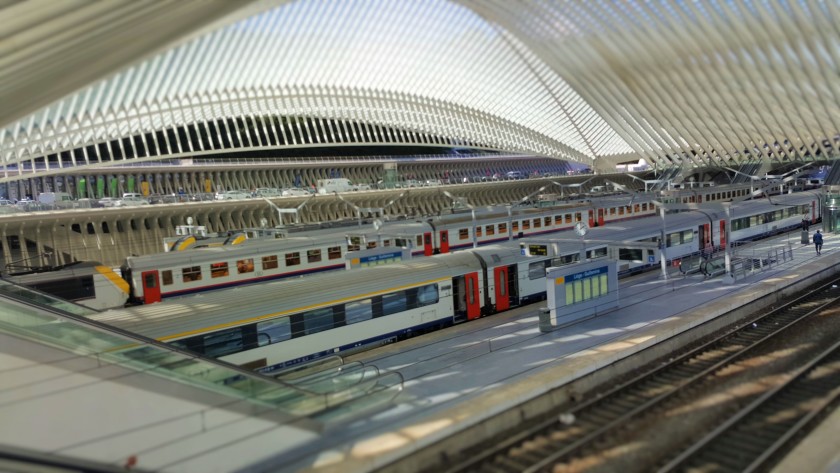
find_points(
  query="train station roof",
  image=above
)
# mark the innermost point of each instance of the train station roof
(675, 83)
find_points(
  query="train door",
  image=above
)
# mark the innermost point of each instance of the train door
(151, 286)
(705, 233)
(723, 234)
(591, 218)
(600, 217)
(501, 278)
(444, 241)
(428, 249)
(467, 303)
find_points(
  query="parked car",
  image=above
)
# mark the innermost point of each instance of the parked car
(295, 191)
(412, 183)
(131, 201)
(515, 175)
(268, 192)
(233, 195)
(433, 182)
(107, 202)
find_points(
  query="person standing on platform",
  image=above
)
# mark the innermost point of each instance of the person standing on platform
(818, 242)
(805, 223)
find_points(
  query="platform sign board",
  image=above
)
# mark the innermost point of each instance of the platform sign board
(579, 291)
(375, 257)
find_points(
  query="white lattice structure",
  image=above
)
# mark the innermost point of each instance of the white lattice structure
(677, 83)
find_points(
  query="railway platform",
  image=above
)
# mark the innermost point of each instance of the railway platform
(475, 380)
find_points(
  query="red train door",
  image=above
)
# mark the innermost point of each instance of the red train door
(473, 301)
(500, 276)
(444, 241)
(591, 218)
(601, 217)
(428, 250)
(151, 287)
(705, 232)
(723, 234)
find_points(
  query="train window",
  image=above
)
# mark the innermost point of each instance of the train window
(477, 231)
(515, 227)
(386, 242)
(558, 219)
(166, 277)
(536, 270)
(73, 289)
(547, 221)
(612, 210)
(596, 253)
(644, 206)
(371, 244)
(568, 218)
(490, 230)
(578, 217)
(269, 262)
(621, 210)
(740, 223)
(273, 331)
(245, 266)
(223, 343)
(334, 252)
(427, 295)
(358, 311)
(636, 207)
(537, 223)
(566, 259)
(502, 284)
(218, 270)
(631, 254)
(313, 256)
(192, 273)
(318, 320)
(419, 240)
(150, 281)
(354, 244)
(470, 291)
(502, 228)
(526, 224)
(463, 234)
(394, 303)
(292, 259)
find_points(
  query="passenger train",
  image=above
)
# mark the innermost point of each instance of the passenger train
(279, 324)
(155, 277)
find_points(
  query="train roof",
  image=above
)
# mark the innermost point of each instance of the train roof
(201, 312)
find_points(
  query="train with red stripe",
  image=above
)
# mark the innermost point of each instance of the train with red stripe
(156, 277)
(278, 324)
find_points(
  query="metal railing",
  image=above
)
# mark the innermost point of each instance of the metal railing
(749, 259)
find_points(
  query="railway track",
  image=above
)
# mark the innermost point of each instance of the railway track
(764, 427)
(563, 438)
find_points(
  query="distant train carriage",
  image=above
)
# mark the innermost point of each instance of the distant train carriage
(86, 283)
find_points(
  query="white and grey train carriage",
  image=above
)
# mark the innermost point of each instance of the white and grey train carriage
(290, 321)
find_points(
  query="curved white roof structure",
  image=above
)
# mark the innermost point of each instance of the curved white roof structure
(676, 83)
